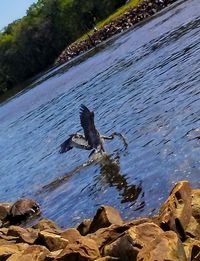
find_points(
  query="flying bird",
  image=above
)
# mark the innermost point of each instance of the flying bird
(92, 139)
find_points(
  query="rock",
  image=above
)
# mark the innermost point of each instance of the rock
(128, 245)
(166, 246)
(192, 249)
(84, 249)
(196, 204)
(104, 217)
(84, 227)
(23, 209)
(31, 253)
(53, 255)
(8, 250)
(26, 235)
(193, 229)
(71, 234)
(52, 241)
(176, 212)
(107, 258)
(104, 236)
(48, 225)
(133, 243)
(4, 210)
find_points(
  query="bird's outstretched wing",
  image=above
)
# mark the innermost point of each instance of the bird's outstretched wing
(76, 140)
(66, 145)
(87, 122)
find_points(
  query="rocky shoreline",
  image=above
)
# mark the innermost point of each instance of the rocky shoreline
(173, 235)
(131, 17)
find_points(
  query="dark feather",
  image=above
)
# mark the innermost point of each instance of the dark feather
(66, 145)
(87, 122)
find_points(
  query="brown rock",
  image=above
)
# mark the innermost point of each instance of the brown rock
(166, 246)
(71, 234)
(107, 258)
(104, 236)
(6, 238)
(4, 210)
(105, 216)
(192, 249)
(84, 227)
(31, 253)
(84, 249)
(8, 250)
(146, 242)
(48, 225)
(196, 204)
(52, 256)
(176, 212)
(193, 229)
(52, 241)
(128, 245)
(15, 257)
(28, 235)
(107, 235)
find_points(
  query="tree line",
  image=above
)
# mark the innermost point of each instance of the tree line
(31, 44)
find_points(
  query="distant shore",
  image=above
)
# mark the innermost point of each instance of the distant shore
(131, 17)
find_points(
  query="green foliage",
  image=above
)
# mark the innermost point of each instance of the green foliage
(31, 44)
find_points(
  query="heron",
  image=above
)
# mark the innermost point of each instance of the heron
(91, 139)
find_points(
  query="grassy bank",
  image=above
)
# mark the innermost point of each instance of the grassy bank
(115, 15)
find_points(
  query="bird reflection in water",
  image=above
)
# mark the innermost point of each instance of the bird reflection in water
(112, 177)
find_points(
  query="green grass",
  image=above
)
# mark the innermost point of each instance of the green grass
(120, 11)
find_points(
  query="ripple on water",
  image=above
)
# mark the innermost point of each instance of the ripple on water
(145, 87)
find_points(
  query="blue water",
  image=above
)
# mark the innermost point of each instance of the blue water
(144, 84)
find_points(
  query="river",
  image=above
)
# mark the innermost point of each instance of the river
(145, 84)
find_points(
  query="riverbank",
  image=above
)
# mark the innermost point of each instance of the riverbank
(132, 16)
(173, 235)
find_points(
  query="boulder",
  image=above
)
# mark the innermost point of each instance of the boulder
(4, 210)
(166, 246)
(84, 249)
(8, 250)
(84, 227)
(146, 242)
(192, 249)
(52, 241)
(107, 258)
(193, 229)
(176, 212)
(196, 204)
(48, 225)
(26, 235)
(31, 253)
(71, 234)
(104, 236)
(127, 246)
(104, 217)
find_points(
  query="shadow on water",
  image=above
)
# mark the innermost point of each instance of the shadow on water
(110, 175)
